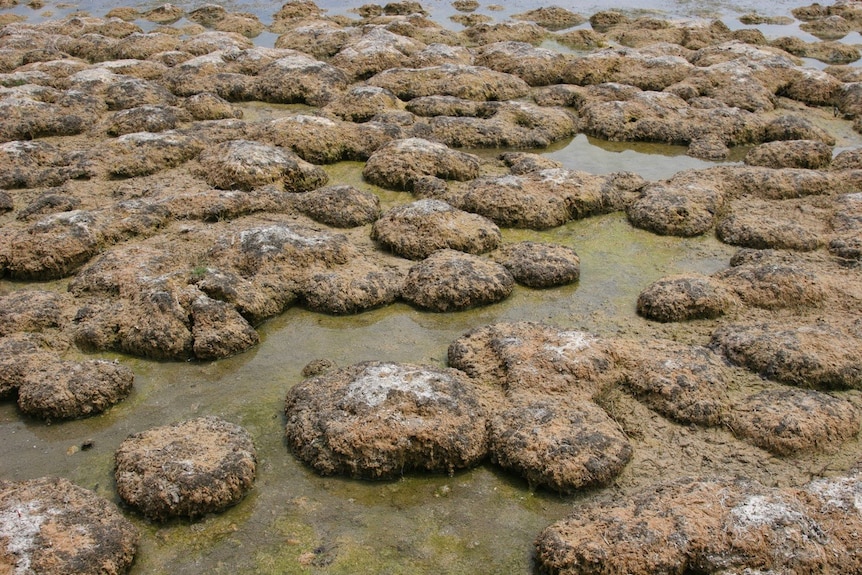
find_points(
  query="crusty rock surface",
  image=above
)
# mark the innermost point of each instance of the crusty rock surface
(418, 229)
(450, 280)
(540, 265)
(377, 420)
(49, 525)
(187, 469)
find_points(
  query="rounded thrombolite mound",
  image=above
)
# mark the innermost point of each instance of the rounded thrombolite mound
(399, 164)
(340, 206)
(377, 420)
(527, 358)
(558, 445)
(21, 354)
(809, 154)
(787, 421)
(418, 229)
(807, 355)
(683, 298)
(188, 469)
(772, 283)
(685, 383)
(673, 208)
(69, 389)
(539, 265)
(750, 227)
(450, 280)
(53, 527)
(245, 165)
(678, 527)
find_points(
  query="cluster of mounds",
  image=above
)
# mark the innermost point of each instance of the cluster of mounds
(126, 163)
(529, 396)
(179, 223)
(188, 470)
(51, 526)
(716, 525)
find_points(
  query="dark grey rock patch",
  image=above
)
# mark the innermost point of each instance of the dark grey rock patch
(789, 421)
(378, 420)
(815, 356)
(187, 469)
(540, 265)
(683, 298)
(562, 447)
(418, 229)
(449, 280)
(53, 527)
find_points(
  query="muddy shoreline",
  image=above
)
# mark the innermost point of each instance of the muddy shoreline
(582, 267)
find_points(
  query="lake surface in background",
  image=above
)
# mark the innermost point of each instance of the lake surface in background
(479, 521)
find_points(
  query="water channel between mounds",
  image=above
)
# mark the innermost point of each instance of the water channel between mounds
(478, 520)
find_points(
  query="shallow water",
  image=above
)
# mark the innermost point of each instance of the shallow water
(479, 521)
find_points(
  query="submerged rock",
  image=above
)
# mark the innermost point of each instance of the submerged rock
(377, 420)
(51, 526)
(187, 469)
